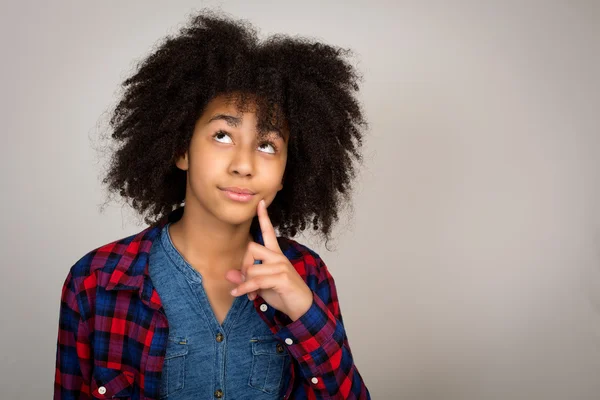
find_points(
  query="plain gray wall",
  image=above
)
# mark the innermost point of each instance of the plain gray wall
(470, 268)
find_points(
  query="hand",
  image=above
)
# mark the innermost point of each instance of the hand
(275, 280)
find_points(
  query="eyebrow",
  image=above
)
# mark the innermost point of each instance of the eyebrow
(230, 119)
(235, 122)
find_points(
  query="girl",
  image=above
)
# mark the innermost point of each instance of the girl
(222, 139)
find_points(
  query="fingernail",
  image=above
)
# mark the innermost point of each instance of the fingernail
(243, 277)
(262, 202)
(233, 292)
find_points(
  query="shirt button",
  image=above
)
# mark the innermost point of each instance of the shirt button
(289, 341)
(219, 337)
(101, 390)
(263, 307)
(218, 393)
(314, 380)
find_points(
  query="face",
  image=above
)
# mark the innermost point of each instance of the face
(225, 152)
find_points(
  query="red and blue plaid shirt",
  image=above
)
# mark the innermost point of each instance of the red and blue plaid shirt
(113, 330)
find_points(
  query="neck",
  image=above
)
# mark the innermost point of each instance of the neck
(208, 244)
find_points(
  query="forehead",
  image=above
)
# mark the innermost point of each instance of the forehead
(231, 104)
(237, 110)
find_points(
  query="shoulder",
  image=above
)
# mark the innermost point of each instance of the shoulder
(104, 257)
(96, 267)
(307, 262)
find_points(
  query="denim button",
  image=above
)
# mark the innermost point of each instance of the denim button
(279, 348)
(219, 337)
(218, 393)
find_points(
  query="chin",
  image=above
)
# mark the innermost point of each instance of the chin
(236, 217)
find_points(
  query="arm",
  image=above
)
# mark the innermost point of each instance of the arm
(72, 375)
(320, 345)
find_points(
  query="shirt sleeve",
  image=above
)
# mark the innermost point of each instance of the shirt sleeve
(318, 342)
(72, 374)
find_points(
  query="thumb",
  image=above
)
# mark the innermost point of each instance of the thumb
(235, 276)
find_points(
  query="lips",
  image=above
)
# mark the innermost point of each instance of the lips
(238, 190)
(237, 194)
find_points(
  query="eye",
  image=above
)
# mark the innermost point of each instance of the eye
(221, 133)
(272, 146)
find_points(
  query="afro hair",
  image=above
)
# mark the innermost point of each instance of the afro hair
(304, 85)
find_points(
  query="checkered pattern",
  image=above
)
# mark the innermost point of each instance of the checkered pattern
(113, 331)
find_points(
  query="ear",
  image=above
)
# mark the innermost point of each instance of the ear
(183, 162)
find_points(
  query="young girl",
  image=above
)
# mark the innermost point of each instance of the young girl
(222, 139)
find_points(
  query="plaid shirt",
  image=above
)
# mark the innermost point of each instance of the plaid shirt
(113, 330)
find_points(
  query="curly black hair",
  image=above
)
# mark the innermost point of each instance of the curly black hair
(304, 85)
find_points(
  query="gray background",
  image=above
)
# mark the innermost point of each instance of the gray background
(469, 268)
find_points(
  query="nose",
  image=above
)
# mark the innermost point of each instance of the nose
(242, 163)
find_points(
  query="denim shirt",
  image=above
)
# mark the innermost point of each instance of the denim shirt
(240, 359)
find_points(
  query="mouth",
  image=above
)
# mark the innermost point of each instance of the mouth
(239, 190)
(238, 194)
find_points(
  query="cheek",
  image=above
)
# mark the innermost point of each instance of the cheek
(206, 164)
(272, 174)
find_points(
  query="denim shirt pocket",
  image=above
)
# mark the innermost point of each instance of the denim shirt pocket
(173, 371)
(109, 383)
(269, 360)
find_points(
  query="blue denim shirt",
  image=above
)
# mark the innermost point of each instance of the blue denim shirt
(240, 359)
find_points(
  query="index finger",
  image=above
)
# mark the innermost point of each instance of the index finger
(266, 228)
